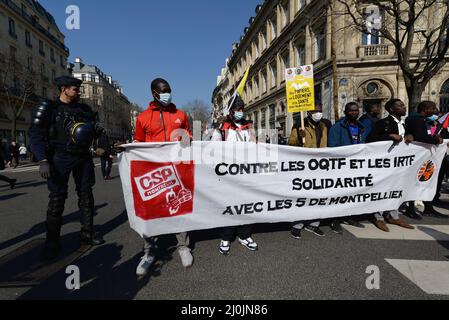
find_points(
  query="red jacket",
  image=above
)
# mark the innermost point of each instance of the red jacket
(150, 124)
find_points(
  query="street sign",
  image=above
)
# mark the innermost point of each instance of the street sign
(300, 89)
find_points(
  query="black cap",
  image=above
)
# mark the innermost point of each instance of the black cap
(67, 81)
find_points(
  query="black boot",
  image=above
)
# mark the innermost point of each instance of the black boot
(54, 221)
(86, 206)
(429, 211)
(411, 212)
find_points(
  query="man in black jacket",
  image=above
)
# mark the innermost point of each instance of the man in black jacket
(104, 151)
(391, 129)
(419, 125)
(12, 182)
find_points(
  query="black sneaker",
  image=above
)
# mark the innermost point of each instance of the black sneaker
(411, 213)
(296, 233)
(51, 250)
(315, 230)
(12, 184)
(336, 227)
(354, 223)
(432, 213)
(95, 240)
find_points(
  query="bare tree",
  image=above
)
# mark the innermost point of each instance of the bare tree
(198, 110)
(17, 85)
(418, 30)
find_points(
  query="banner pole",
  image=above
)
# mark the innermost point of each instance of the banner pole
(303, 127)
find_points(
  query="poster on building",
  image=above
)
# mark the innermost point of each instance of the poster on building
(300, 89)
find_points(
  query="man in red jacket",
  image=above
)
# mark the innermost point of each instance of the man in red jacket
(162, 122)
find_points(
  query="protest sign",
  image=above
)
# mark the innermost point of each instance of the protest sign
(169, 189)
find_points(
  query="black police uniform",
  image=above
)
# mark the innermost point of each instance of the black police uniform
(63, 134)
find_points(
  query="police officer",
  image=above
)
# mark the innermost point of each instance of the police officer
(61, 135)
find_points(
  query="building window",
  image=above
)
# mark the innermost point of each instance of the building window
(53, 75)
(300, 54)
(375, 18)
(272, 116)
(274, 28)
(61, 61)
(256, 86)
(264, 80)
(83, 77)
(285, 13)
(256, 50)
(263, 119)
(274, 74)
(43, 69)
(285, 58)
(263, 38)
(94, 90)
(301, 4)
(30, 64)
(320, 45)
(44, 92)
(370, 39)
(41, 48)
(12, 28)
(52, 55)
(256, 120)
(28, 39)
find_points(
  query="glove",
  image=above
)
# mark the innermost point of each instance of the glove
(44, 169)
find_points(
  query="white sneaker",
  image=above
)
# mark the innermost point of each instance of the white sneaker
(225, 247)
(419, 205)
(249, 244)
(186, 257)
(144, 265)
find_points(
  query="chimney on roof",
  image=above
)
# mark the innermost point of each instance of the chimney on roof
(79, 63)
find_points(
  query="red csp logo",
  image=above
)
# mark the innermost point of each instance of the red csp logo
(162, 190)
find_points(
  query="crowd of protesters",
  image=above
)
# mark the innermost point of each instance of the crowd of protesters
(162, 117)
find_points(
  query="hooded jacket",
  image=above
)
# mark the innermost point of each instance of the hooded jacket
(340, 135)
(157, 124)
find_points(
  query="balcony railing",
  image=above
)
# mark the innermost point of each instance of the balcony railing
(34, 22)
(375, 50)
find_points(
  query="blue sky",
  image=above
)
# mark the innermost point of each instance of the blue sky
(135, 41)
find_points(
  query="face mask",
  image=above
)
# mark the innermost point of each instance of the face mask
(316, 116)
(239, 115)
(165, 98)
(433, 118)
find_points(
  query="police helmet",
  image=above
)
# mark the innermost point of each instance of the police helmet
(82, 134)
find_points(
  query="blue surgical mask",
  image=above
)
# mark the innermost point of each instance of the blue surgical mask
(165, 98)
(239, 115)
(432, 118)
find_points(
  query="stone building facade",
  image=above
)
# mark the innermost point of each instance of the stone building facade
(291, 33)
(106, 97)
(30, 38)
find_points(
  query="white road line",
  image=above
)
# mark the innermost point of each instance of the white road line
(36, 168)
(431, 276)
(422, 232)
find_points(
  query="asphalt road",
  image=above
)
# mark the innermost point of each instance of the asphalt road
(332, 267)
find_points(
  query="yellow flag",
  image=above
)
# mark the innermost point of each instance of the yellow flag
(242, 84)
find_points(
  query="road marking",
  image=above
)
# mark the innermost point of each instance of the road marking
(431, 276)
(422, 232)
(36, 168)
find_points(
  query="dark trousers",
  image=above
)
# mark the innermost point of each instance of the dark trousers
(6, 179)
(64, 164)
(243, 232)
(106, 166)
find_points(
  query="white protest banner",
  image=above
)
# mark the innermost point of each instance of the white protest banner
(168, 189)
